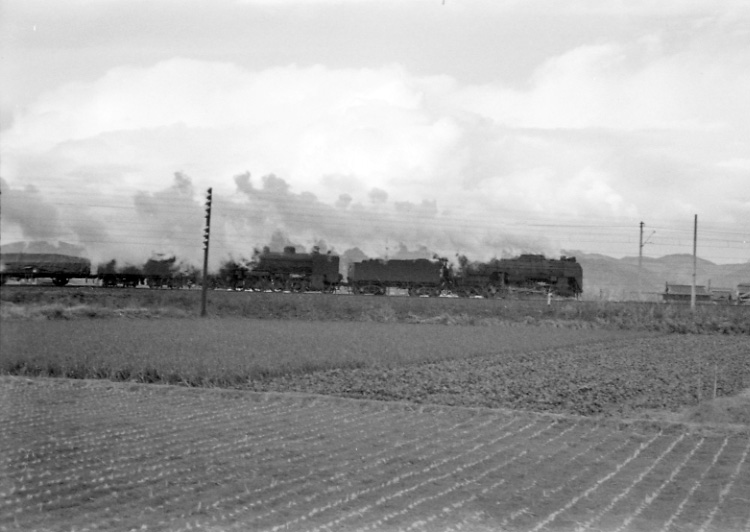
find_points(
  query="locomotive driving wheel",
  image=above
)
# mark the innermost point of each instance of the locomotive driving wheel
(421, 290)
(60, 280)
(297, 285)
(491, 291)
(377, 290)
(373, 289)
(476, 291)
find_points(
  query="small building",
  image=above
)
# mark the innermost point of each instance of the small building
(683, 292)
(722, 295)
(743, 293)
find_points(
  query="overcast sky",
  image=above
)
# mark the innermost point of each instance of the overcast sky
(484, 127)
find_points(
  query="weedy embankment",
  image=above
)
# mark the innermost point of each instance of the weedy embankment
(86, 302)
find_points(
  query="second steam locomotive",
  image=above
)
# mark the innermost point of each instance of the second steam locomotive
(288, 271)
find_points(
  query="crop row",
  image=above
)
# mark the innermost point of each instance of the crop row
(616, 378)
(233, 351)
(542, 369)
(180, 459)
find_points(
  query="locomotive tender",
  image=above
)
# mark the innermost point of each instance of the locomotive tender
(419, 276)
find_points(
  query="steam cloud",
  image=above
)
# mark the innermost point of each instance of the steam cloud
(272, 213)
(170, 222)
(26, 207)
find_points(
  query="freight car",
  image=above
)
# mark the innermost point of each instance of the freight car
(60, 268)
(155, 273)
(418, 276)
(160, 273)
(290, 271)
(111, 276)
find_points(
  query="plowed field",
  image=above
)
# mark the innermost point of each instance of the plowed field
(619, 377)
(97, 455)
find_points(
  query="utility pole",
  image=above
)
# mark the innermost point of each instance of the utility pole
(640, 264)
(206, 234)
(641, 243)
(695, 262)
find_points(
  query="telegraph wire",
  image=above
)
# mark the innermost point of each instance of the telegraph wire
(189, 204)
(611, 233)
(396, 216)
(134, 226)
(603, 231)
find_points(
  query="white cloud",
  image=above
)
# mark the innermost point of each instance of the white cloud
(298, 122)
(581, 7)
(624, 87)
(432, 144)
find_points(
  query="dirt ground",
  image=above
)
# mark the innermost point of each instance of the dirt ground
(731, 411)
(100, 455)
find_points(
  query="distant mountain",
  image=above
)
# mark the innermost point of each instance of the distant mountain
(609, 278)
(60, 248)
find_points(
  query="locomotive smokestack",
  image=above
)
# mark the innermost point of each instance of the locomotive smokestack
(289, 250)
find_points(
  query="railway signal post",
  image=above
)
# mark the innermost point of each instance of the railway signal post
(206, 234)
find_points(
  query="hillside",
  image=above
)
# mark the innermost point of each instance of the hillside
(610, 278)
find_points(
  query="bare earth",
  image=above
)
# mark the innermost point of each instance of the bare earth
(97, 455)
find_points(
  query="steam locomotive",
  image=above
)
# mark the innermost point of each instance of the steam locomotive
(527, 274)
(288, 271)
